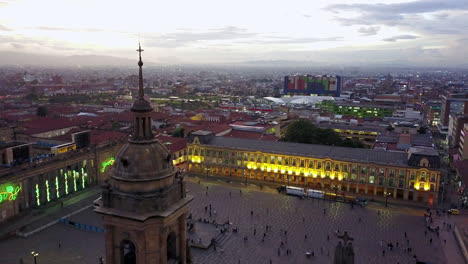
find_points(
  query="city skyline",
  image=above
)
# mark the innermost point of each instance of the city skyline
(406, 33)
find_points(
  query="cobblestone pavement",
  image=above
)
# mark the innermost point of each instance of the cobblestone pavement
(297, 217)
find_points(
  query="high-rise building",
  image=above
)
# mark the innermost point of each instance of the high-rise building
(144, 201)
(312, 85)
(453, 104)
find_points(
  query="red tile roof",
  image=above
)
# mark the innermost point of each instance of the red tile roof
(173, 144)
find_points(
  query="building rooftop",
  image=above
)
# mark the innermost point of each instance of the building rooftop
(314, 151)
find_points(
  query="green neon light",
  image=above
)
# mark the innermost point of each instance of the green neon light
(38, 201)
(10, 193)
(83, 178)
(57, 187)
(107, 163)
(47, 190)
(66, 183)
(74, 180)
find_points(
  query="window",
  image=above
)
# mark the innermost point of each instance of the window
(363, 179)
(372, 171)
(190, 151)
(354, 168)
(302, 164)
(272, 159)
(294, 162)
(196, 152)
(392, 172)
(423, 176)
(412, 175)
(328, 165)
(311, 164)
(327, 174)
(345, 175)
(402, 174)
(390, 182)
(265, 159)
(345, 167)
(371, 179)
(280, 160)
(319, 165)
(337, 167)
(433, 177)
(363, 170)
(381, 181)
(432, 187)
(353, 176)
(286, 161)
(401, 184)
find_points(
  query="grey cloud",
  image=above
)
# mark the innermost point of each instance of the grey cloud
(396, 38)
(17, 46)
(3, 28)
(368, 31)
(408, 15)
(286, 40)
(179, 39)
(397, 9)
(70, 29)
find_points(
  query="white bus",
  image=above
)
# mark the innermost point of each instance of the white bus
(296, 191)
(315, 193)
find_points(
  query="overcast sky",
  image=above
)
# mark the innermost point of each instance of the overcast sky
(431, 32)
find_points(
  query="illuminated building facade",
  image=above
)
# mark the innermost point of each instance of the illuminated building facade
(312, 85)
(359, 110)
(26, 186)
(362, 171)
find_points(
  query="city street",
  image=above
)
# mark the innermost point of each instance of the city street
(250, 210)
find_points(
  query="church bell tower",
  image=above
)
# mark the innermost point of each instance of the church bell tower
(144, 203)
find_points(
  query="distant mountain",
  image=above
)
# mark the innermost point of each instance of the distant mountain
(21, 59)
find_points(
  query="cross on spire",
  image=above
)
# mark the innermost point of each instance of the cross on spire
(141, 92)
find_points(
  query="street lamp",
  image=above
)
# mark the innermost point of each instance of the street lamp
(335, 188)
(386, 198)
(34, 255)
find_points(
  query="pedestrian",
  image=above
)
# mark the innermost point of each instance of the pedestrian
(430, 241)
(229, 194)
(305, 237)
(445, 241)
(271, 262)
(383, 253)
(206, 209)
(324, 210)
(321, 250)
(405, 234)
(61, 204)
(59, 245)
(425, 232)
(255, 232)
(101, 260)
(359, 220)
(328, 237)
(251, 212)
(21, 261)
(240, 192)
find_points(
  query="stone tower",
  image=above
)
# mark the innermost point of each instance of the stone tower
(144, 203)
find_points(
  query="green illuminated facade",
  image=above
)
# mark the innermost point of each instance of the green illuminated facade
(66, 181)
(8, 192)
(358, 110)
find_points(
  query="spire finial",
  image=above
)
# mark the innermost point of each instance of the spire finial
(141, 92)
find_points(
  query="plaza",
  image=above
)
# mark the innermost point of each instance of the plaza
(250, 209)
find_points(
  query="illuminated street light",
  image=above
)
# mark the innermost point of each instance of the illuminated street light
(386, 198)
(34, 255)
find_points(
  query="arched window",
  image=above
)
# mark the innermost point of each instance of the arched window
(127, 252)
(171, 246)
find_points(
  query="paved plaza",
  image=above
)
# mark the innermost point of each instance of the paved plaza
(251, 210)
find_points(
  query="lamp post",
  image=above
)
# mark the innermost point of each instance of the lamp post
(335, 188)
(34, 255)
(386, 198)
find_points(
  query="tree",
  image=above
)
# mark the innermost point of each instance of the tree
(178, 132)
(303, 131)
(42, 111)
(422, 130)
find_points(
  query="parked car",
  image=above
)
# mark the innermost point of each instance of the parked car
(453, 211)
(361, 201)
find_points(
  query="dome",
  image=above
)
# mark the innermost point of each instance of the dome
(143, 162)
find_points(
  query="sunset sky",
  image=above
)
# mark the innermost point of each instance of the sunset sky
(205, 31)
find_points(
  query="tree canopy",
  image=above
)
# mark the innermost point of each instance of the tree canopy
(42, 111)
(303, 131)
